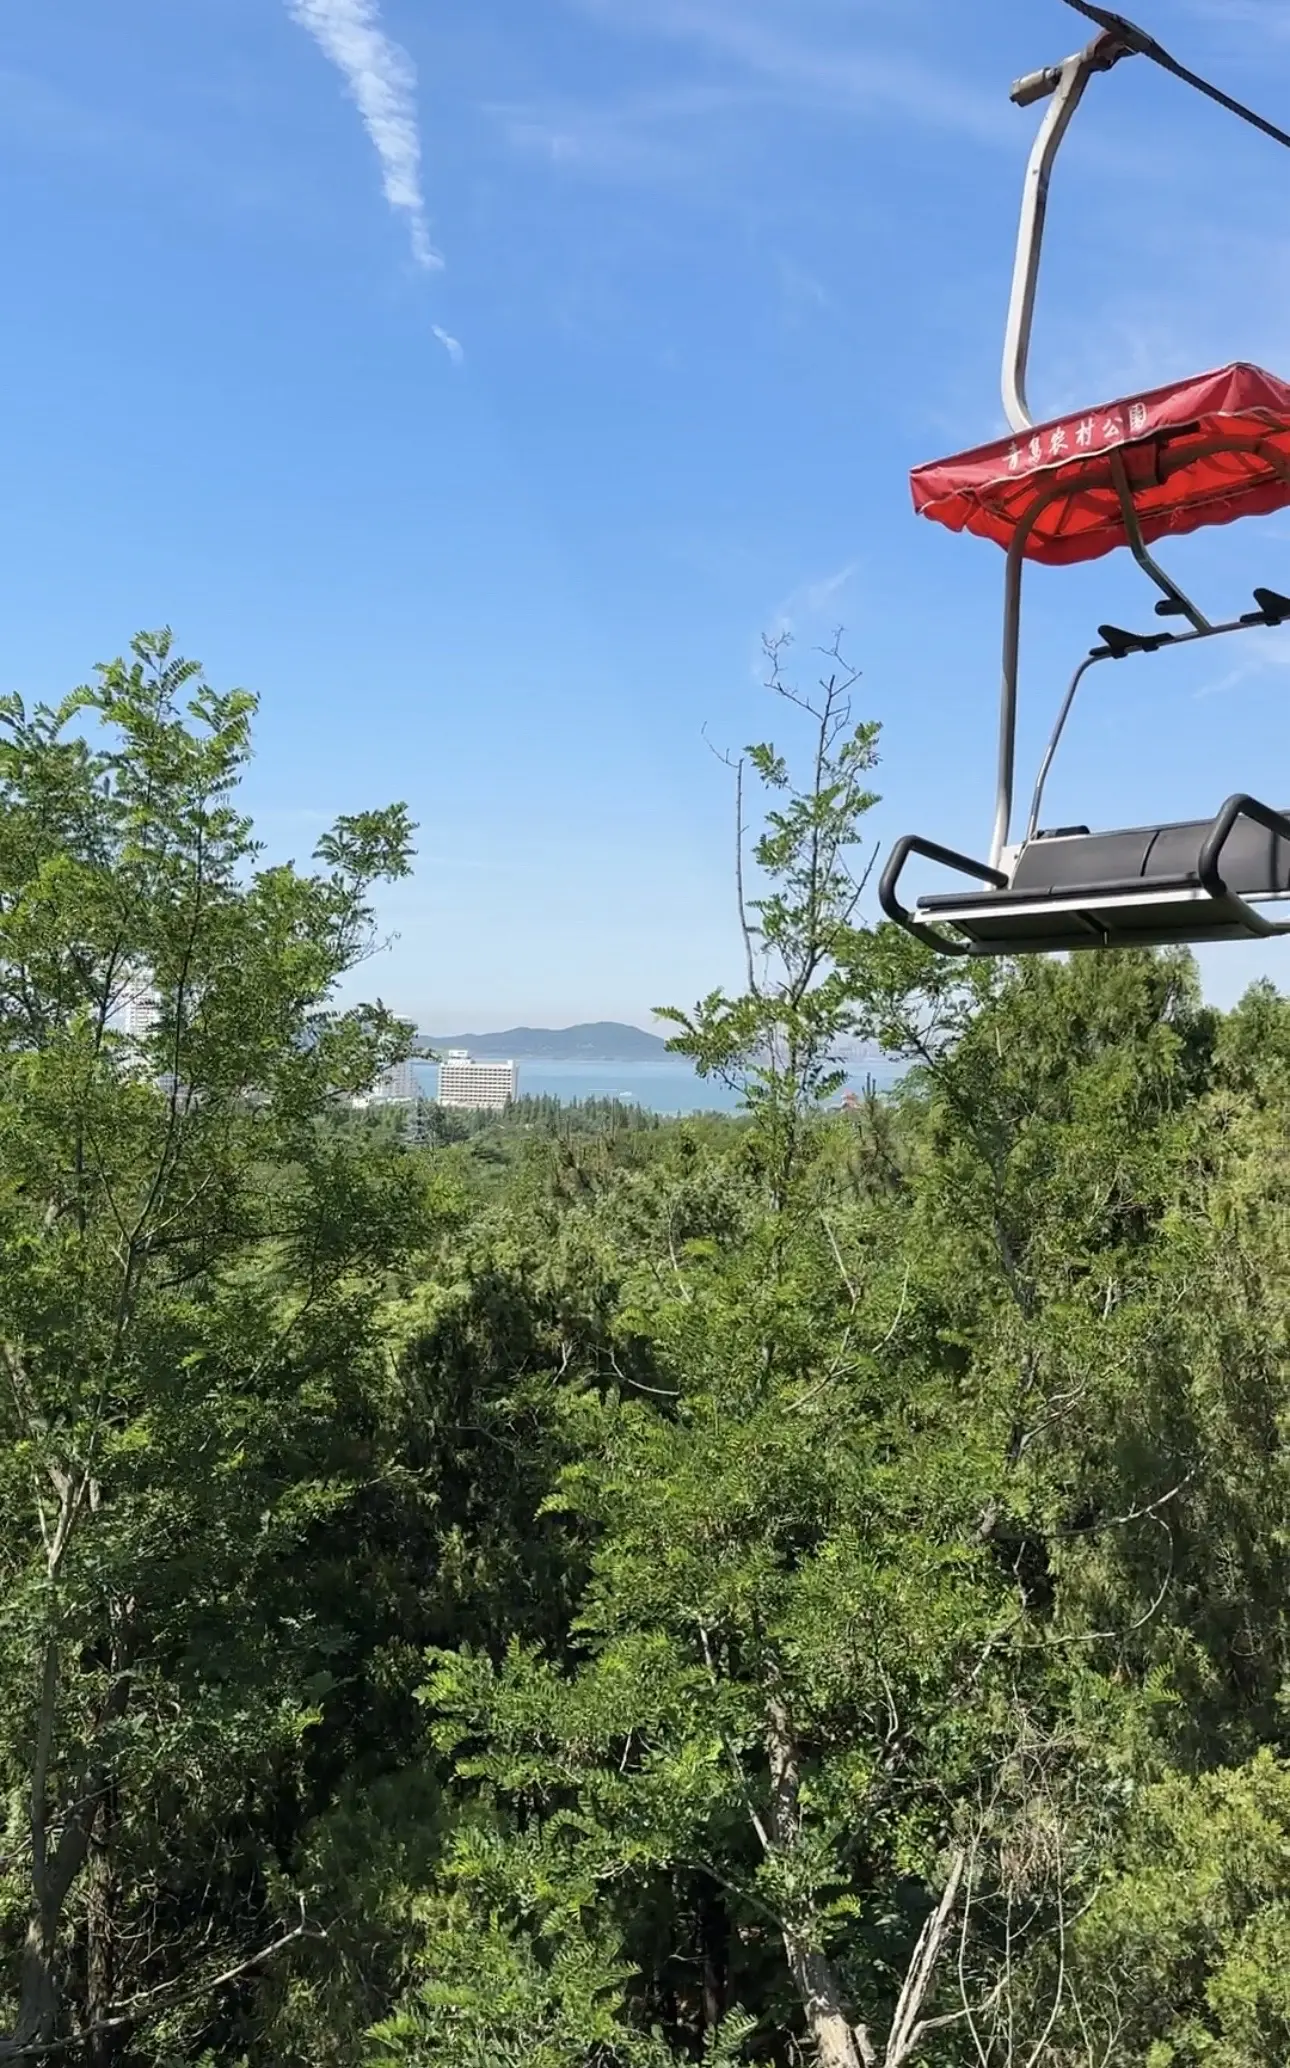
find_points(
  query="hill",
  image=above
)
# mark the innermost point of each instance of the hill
(600, 1041)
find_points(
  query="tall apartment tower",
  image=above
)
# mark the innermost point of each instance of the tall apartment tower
(483, 1087)
(141, 1013)
(397, 1087)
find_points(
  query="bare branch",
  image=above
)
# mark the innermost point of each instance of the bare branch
(745, 925)
(165, 1997)
(843, 1273)
(900, 1315)
(906, 2032)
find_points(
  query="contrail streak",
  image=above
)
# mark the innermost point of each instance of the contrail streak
(382, 82)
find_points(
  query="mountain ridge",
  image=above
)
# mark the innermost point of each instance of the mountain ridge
(592, 1041)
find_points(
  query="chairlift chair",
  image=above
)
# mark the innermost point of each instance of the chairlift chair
(1129, 473)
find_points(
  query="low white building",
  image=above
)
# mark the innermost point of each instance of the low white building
(480, 1086)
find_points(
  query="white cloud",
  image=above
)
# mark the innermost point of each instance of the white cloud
(382, 83)
(452, 346)
(806, 608)
(1274, 653)
(818, 595)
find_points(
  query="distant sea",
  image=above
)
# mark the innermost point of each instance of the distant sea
(670, 1085)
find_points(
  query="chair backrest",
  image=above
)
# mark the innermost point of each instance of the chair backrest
(1256, 863)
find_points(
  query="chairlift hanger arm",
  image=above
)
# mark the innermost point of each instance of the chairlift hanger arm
(1065, 84)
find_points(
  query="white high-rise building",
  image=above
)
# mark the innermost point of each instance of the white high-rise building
(481, 1086)
(141, 1013)
(396, 1087)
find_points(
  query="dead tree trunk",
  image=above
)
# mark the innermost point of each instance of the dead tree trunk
(813, 1973)
(100, 1953)
(37, 2019)
(60, 1846)
(838, 2042)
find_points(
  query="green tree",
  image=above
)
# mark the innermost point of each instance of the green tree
(778, 1042)
(848, 1545)
(189, 1277)
(1184, 1959)
(755, 1776)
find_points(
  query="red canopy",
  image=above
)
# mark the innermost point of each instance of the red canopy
(1202, 451)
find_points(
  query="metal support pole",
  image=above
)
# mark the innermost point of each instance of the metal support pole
(1012, 669)
(1008, 698)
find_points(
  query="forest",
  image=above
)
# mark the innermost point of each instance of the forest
(809, 1586)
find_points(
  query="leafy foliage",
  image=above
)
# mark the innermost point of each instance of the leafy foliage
(581, 1591)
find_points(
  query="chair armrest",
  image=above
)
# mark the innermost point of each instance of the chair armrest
(1209, 867)
(888, 888)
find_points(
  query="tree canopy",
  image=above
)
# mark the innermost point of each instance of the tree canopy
(582, 1591)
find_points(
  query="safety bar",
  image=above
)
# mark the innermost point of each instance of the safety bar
(1274, 609)
(931, 851)
(1036, 802)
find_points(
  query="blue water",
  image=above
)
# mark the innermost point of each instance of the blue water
(669, 1086)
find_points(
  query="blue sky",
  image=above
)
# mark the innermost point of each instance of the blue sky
(484, 427)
